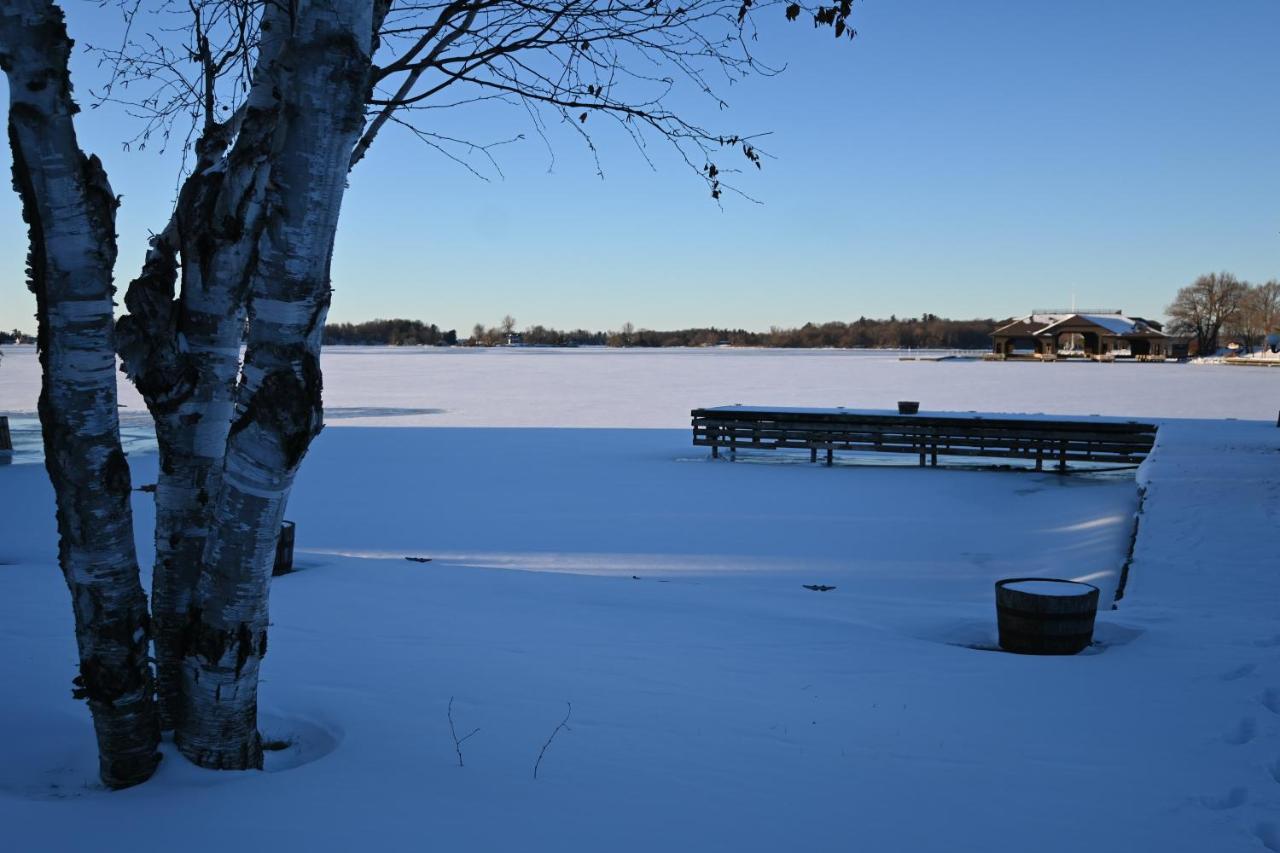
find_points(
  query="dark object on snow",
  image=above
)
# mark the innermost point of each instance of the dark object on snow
(818, 587)
(418, 559)
(147, 487)
(1045, 616)
(6, 440)
(908, 407)
(284, 550)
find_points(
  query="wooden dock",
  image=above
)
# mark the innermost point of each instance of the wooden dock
(1043, 441)
(1252, 362)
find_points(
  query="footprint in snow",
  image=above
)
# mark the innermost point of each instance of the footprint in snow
(1231, 800)
(1239, 672)
(1244, 731)
(1271, 700)
(1269, 835)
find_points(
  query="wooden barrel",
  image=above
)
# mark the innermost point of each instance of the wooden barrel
(284, 550)
(1045, 616)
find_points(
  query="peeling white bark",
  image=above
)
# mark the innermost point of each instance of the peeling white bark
(184, 354)
(70, 210)
(322, 78)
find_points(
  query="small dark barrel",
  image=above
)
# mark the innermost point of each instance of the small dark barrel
(284, 550)
(6, 440)
(908, 407)
(1045, 616)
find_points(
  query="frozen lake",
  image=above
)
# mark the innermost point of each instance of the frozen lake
(599, 387)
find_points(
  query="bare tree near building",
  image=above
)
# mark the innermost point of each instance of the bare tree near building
(1205, 306)
(1259, 314)
(285, 99)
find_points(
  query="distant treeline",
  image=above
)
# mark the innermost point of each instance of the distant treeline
(926, 332)
(535, 336)
(393, 332)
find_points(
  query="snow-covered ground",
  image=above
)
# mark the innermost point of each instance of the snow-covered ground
(716, 704)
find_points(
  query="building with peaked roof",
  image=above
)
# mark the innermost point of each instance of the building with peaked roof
(1087, 334)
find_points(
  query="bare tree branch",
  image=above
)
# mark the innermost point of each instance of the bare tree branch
(643, 64)
(563, 724)
(453, 733)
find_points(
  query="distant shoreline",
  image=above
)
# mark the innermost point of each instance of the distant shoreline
(925, 332)
(608, 347)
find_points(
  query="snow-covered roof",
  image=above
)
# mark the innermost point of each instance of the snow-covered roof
(1020, 327)
(1116, 324)
(1113, 322)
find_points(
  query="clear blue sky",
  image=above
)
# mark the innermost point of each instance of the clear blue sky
(966, 159)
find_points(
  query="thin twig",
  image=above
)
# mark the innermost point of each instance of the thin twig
(556, 731)
(453, 733)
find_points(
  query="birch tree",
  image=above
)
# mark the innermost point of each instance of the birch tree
(284, 98)
(70, 210)
(182, 350)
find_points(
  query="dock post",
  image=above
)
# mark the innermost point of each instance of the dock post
(813, 453)
(933, 455)
(830, 456)
(6, 440)
(284, 550)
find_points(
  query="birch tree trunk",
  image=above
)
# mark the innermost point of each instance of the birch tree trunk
(184, 354)
(278, 407)
(70, 211)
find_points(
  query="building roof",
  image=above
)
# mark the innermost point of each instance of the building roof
(1035, 325)
(1019, 328)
